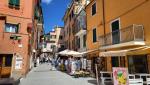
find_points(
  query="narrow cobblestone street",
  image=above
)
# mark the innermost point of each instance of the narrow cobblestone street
(43, 76)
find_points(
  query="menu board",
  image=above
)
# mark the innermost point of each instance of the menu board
(120, 76)
(89, 64)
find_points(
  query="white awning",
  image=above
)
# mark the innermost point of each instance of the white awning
(74, 53)
(113, 53)
(124, 52)
(80, 32)
(64, 52)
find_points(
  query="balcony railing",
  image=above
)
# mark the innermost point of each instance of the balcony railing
(130, 33)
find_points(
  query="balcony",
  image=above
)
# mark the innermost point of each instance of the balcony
(130, 36)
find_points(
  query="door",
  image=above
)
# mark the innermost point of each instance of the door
(115, 61)
(5, 65)
(115, 32)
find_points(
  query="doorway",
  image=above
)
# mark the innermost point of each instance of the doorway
(5, 65)
(115, 32)
(115, 61)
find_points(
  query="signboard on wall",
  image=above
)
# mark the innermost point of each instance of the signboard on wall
(120, 76)
(89, 64)
(18, 63)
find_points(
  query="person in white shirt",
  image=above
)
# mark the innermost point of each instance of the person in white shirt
(66, 65)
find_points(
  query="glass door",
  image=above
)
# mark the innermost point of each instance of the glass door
(115, 32)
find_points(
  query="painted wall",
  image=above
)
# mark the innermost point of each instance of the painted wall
(22, 16)
(94, 21)
(129, 12)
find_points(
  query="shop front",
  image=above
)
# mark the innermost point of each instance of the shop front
(136, 60)
(137, 64)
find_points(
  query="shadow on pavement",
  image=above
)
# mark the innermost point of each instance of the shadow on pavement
(94, 82)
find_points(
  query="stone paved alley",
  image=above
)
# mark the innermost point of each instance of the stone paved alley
(42, 75)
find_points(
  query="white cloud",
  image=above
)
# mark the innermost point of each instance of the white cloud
(47, 1)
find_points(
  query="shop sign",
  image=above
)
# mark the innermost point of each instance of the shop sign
(18, 64)
(120, 76)
(89, 63)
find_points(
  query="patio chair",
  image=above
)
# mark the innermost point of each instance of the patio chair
(148, 81)
(136, 81)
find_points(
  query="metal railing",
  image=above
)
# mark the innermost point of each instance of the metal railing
(130, 33)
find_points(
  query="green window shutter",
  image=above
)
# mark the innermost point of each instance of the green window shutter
(11, 2)
(36, 13)
(17, 2)
(17, 30)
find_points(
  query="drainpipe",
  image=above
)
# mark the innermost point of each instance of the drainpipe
(104, 27)
(103, 11)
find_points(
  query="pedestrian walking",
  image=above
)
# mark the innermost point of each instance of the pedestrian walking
(37, 61)
(66, 65)
(34, 62)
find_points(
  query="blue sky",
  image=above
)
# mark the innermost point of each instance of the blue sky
(53, 11)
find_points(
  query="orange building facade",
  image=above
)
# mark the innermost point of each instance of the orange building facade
(122, 34)
(94, 29)
(16, 34)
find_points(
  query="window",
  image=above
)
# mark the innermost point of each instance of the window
(15, 3)
(36, 13)
(53, 46)
(84, 41)
(52, 41)
(94, 35)
(115, 32)
(53, 36)
(61, 37)
(44, 45)
(136, 63)
(94, 9)
(11, 28)
(79, 42)
(62, 46)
